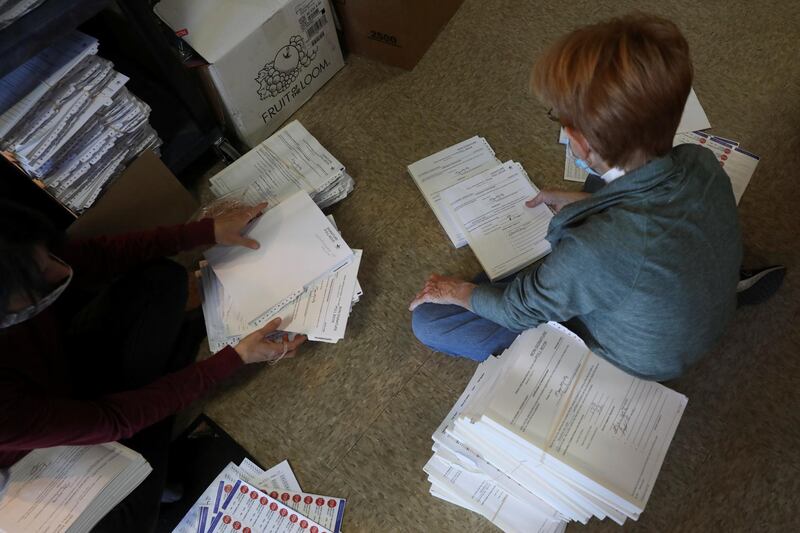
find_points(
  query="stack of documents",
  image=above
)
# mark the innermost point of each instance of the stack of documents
(548, 432)
(12, 10)
(290, 160)
(738, 164)
(247, 498)
(69, 122)
(481, 202)
(69, 488)
(303, 272)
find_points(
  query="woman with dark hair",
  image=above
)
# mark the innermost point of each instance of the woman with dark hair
(644, 269)
(96, 346)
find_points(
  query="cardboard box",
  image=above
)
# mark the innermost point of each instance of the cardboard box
(265, 59)
(144, 196)
(395, 32)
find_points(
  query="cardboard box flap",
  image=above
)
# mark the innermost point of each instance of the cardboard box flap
(146, 195)
(214, 27)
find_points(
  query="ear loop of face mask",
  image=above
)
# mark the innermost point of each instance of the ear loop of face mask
(581, 164)
(34, 309)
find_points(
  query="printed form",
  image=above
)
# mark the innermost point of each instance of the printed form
(299, 246)
(231, 503)
(289, 161)
(505, 235)
(436, 173)
(608, 430)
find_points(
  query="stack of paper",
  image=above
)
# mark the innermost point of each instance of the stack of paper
(12, 10)
(481, 202)
(68, 120)
(303, 272)
(737, 163)
(69, 488)
(548, 432)
(440, 171)
(247, 498)
(290, 160)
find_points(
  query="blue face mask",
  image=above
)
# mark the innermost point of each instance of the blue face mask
(583, 165)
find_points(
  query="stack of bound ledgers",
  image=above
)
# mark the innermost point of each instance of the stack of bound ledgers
(303, 272)
(246, 498)
(68, 121)
(549, 432)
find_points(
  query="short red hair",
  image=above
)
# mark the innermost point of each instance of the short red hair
(622, 83)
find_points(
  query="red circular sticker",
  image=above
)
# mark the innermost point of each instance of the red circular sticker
(263, 500)
(723, 157)
(296, 498)
(285, 496)
(228, 488)
(303, 524)
(314, 529)
(727, 150)
(320, 501)
(226, 519)
(273, 506)
(284, 512)
(702, 141)
(244, 489)
(274, 493)
(253, 494)
(246, 530)
(293, 518)
(237, 525)
(308, 500)
(331, 503)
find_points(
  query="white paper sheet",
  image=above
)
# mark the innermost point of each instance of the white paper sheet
(281, 476)
(436, 173)
(56, 488)
(600, 427)
(288, 161)
(490, 210)
(298, 246)
(322, 311)
(694, 116)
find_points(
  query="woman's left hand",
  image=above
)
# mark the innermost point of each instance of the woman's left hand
(444, 290)
(228, 226)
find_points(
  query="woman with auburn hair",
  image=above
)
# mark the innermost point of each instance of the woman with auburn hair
(645, 268)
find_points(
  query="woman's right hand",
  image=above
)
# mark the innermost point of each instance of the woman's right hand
(255, 348)
(556, 199)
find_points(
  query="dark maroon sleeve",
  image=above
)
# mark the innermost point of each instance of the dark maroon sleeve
(32, 419)
(105, 257)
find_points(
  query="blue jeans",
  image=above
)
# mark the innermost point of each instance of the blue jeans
(455, 331)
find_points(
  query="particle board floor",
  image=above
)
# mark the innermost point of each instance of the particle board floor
(355, 418)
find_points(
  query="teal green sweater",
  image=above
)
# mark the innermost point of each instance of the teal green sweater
(644, 270)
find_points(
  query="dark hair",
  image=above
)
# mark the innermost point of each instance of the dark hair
(21, 230)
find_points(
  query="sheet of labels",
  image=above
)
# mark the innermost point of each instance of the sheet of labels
(235, 502)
